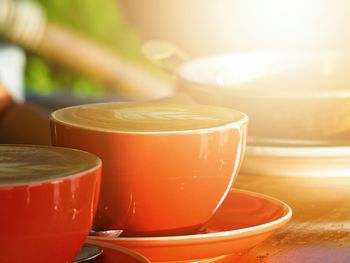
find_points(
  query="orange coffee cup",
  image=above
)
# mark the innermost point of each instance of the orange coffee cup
(48, 199)
(167, 167)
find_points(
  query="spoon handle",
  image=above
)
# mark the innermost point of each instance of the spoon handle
(88, 253)
(25, 23)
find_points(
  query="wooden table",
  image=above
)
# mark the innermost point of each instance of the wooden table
(319, 231)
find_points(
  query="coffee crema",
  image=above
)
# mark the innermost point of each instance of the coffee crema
(146, 117)
(26, 164)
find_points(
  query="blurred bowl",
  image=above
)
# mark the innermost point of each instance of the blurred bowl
(287, 95)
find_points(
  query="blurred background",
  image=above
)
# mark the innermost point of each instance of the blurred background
(48, 76)
(61, 64)
(100, 21)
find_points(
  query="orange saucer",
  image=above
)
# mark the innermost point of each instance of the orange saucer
(244, 220)
(116, 254)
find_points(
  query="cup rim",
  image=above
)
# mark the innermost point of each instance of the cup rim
(182, 76)
(94, 167)
(241, 121)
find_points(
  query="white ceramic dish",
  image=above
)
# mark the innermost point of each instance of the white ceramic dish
(315, 161)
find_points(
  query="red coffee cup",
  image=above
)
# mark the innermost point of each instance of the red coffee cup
(48, 199)
(167, 167)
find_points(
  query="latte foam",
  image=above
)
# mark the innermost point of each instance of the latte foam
(146, 117)
(25, 164)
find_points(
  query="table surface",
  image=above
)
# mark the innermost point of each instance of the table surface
(319, 231)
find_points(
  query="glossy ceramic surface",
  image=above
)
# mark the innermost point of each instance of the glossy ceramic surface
(160, 183)
(47, 220)
(297, 160)
(242, 221)
(116, 254)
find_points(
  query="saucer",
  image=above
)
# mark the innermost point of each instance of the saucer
(243, 220)
(298, 160)
(116, 254)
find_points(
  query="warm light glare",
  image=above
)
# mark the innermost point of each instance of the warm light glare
(203, 27)
(288, 23)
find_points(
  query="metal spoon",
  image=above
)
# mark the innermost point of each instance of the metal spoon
(88, 253)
